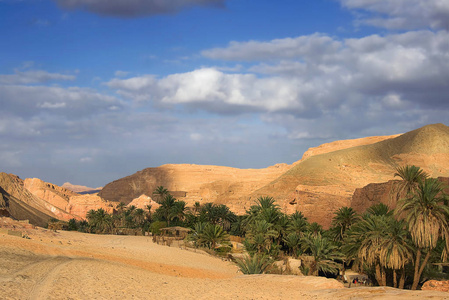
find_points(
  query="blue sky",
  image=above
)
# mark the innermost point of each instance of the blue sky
(94, 90)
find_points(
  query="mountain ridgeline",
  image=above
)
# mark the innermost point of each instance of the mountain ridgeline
(324, 180)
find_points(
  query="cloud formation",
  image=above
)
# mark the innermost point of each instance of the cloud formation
(32, 76)
(309, 75)
(402, 14)
(133, 8)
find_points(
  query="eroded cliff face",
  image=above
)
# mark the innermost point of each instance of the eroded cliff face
(385, 192)
(64, 203)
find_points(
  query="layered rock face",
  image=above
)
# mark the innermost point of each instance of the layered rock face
(68, 204)
(385, 192)
(38, 201)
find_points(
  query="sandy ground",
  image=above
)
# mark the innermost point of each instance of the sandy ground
(72, 265)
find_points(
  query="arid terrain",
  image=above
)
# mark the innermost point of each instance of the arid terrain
(322, 181)
(72, 265)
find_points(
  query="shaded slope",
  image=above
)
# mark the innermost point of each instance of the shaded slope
(321, 184)
(21, 211)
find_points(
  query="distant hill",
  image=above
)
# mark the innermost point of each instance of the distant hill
(80, 189)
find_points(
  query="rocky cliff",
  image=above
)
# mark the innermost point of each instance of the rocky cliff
(385, 192)
(37, 201)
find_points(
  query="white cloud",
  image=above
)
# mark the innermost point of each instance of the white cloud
(316, 45)
(307, 81)
(73, 102)
(32, 76)
(403, 14)
(131, 8)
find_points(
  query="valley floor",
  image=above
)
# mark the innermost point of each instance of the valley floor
(72, 265)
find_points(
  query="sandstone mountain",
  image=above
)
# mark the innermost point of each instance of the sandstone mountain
(323, 181)
(38, 201)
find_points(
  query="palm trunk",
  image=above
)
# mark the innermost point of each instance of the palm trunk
(395, 279)
(402, 279)
(378, 274)
(384, 276)
(416, 273)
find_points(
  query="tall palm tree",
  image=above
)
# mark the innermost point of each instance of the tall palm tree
(427, 214)
(364, 242)
(396, 250)
(343, 219)
(411, 176)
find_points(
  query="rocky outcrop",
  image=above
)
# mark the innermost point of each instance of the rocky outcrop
(143, 201)
(67, 204)
(37, 201)
(385, 192)
(436, 285)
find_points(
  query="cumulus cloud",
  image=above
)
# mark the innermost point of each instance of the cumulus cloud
(309, 76)
(403, 14)
(132, 8)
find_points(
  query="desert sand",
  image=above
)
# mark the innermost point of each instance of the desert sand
(73, 265)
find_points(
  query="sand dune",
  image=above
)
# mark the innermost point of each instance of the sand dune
(72, 265)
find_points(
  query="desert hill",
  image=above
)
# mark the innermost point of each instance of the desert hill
(80, 189)
(323, 181)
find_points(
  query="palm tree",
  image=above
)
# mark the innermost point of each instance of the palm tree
(262, 234)
(298, 223)
(363, 241)
(426, 215)
(159, 193)
(212, 235)
(178, 211)
(343, 219)
(166, 208)
(324, 253)
(396, 250)
(99, 220)
(411, 176)
(256, 264)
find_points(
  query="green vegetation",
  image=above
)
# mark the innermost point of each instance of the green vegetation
(393, 247)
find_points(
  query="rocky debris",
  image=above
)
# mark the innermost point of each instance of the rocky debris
(436, 285)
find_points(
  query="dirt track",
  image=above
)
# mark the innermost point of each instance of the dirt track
(71, 265)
